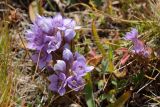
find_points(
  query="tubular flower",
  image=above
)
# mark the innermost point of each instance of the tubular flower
(58, 83)
(42, 58)
(138, 46)
(74, 67)
(49, 32)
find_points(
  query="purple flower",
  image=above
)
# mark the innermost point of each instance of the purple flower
(67, 55)
(58, 83)
(36, 39)
(79, 57)
(138, 45)
(42, 58)
(54, 42)
(60, 66)
(74, 67)
(77, 63)
(58, 21)
(49, 32)
(44, 23)
(69, 23)
(69, 27)
(75, 83)
(131, 35)
(80, 68)
(69, 35)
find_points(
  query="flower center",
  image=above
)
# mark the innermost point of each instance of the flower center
(74, 82)
(80, 67)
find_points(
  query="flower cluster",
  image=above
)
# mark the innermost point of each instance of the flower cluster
(138, 46)
(69, 71)
(49, 35)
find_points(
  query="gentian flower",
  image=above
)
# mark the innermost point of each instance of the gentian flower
(36, 39)
(80, 68)
(42, 58)
(54, 42)
(67, 55)
(138, 45)
(77, 63)
(75, 83)
(58, 83)
(58, 22)
(69, 27)
(49, 32)
(45, 24)
(131, 35)
(60, 66)
(74, 67)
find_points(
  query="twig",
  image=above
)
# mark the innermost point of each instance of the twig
(123, 66)
(8, 5)
(103, 30)
(107, 82)
(147, 84)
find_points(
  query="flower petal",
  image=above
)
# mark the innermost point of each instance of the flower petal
(67, 55)
(62, 76)
(54, 82)
(131, 35)
(45, 24)
(60, 66)
(61, 91)
(89, 68)
(79, 57)
(69, 23)
(138, 46)
(53, 78)
(54, 43)
(75, 83)
(53, 87)
(69, 34)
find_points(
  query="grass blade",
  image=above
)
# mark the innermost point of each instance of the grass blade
(89, 92)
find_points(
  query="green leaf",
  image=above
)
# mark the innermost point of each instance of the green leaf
(110, 60)
(104, 65)
(89, 92)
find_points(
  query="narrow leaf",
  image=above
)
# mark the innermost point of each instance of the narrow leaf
(110, 60)
(97, 40)
(89, 92)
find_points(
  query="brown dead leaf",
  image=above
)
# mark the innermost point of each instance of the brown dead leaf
(93, 58)
(14, 16)
(34, 9)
